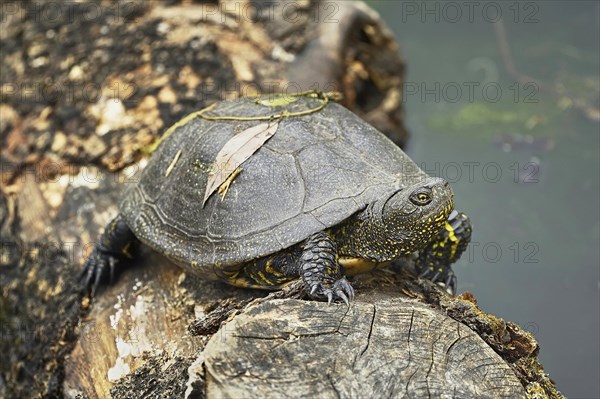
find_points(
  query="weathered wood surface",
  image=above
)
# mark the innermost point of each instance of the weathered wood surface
(390, 347)
(152, 64)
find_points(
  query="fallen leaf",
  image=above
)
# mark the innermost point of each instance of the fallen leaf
(239, 148)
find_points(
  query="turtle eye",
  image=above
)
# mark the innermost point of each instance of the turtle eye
(421, 197)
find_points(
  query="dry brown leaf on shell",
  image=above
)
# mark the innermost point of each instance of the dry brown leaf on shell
(238, 149)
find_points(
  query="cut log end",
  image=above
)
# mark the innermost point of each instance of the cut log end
(394, 347)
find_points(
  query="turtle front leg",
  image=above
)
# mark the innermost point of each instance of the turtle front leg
(315, 261)
(320, 270)
(115, 245)
(434, 262)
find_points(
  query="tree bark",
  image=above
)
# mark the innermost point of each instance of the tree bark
(83, 97)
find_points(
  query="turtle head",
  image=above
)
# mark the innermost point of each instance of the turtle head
(414, 215)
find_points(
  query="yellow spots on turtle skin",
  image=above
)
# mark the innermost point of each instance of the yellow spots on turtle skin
(433, 269)
(450, 231)
(231, 275)
(127, 250)
(264, 279)
(241, 278)
(271, 270)
(259, 273)
(440, 217)
(452, 238)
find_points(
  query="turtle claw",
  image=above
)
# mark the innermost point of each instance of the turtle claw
(340, 290)
(104, 263)
(444, 277)
(313, 290)
(343, 296)
(100, 267)
(112, 262)
(346, 290)
(451, 283)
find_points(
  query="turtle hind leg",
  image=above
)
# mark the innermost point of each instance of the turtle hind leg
(315, 261)
(269, 272)
(105, 261)
(435, 261)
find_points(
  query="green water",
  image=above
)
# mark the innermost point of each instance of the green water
(524, 164)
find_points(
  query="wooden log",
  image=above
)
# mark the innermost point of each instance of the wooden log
(391, 347)
(147, 335)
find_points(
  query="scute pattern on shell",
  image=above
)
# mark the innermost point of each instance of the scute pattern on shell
(315, 172)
